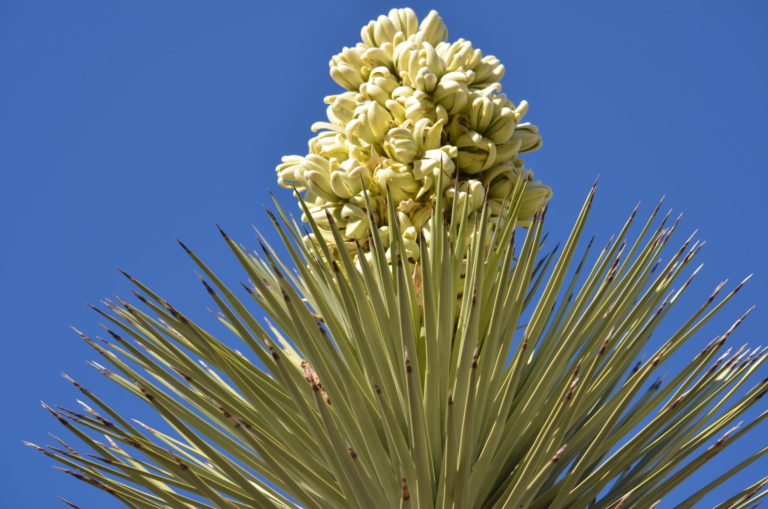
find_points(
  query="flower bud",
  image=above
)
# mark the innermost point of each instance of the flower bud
(425, 80)
(428, 169)
(404, 56)
(377, 121)
(348, 68)
(381, 56)
(411, 242)
(504, 124)
(384, 83)
(291, 173)
(452, 92)
(397, 110)
(320, 185)
(469, 193)
(476, 153)
(500, 181)
(432, 29)
(341, 107)
(418, 106)
(376, 33)
(420, 216)
(529, 137)
(320, 215)
(349, 178)
(400, 145)
(535, 197)
(460, 56)
(509, 150)
(398, 178)
(330, 145)
(355, 220)
(352, 132)
(488, 71)
(404, 20)
(370, 125)
(481, 114)
(429, 58)
(427, 134)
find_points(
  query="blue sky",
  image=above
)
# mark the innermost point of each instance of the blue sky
(126, 124)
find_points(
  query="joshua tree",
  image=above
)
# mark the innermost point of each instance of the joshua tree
(421, 348)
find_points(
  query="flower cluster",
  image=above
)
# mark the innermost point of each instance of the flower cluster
(420, 116)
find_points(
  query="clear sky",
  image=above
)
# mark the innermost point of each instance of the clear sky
(126, 124)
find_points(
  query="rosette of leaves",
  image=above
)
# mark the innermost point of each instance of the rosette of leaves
(367, 387)
(420, 117)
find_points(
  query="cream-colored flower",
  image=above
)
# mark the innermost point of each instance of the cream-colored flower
(431, 165)
(341, 108)
(417, 111)
(348, 68)
(468, 196)
(536, 196)
(400, 145)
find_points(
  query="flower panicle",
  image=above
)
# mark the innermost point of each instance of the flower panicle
(420, 117)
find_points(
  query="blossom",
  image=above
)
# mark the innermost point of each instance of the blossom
(420, 117)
